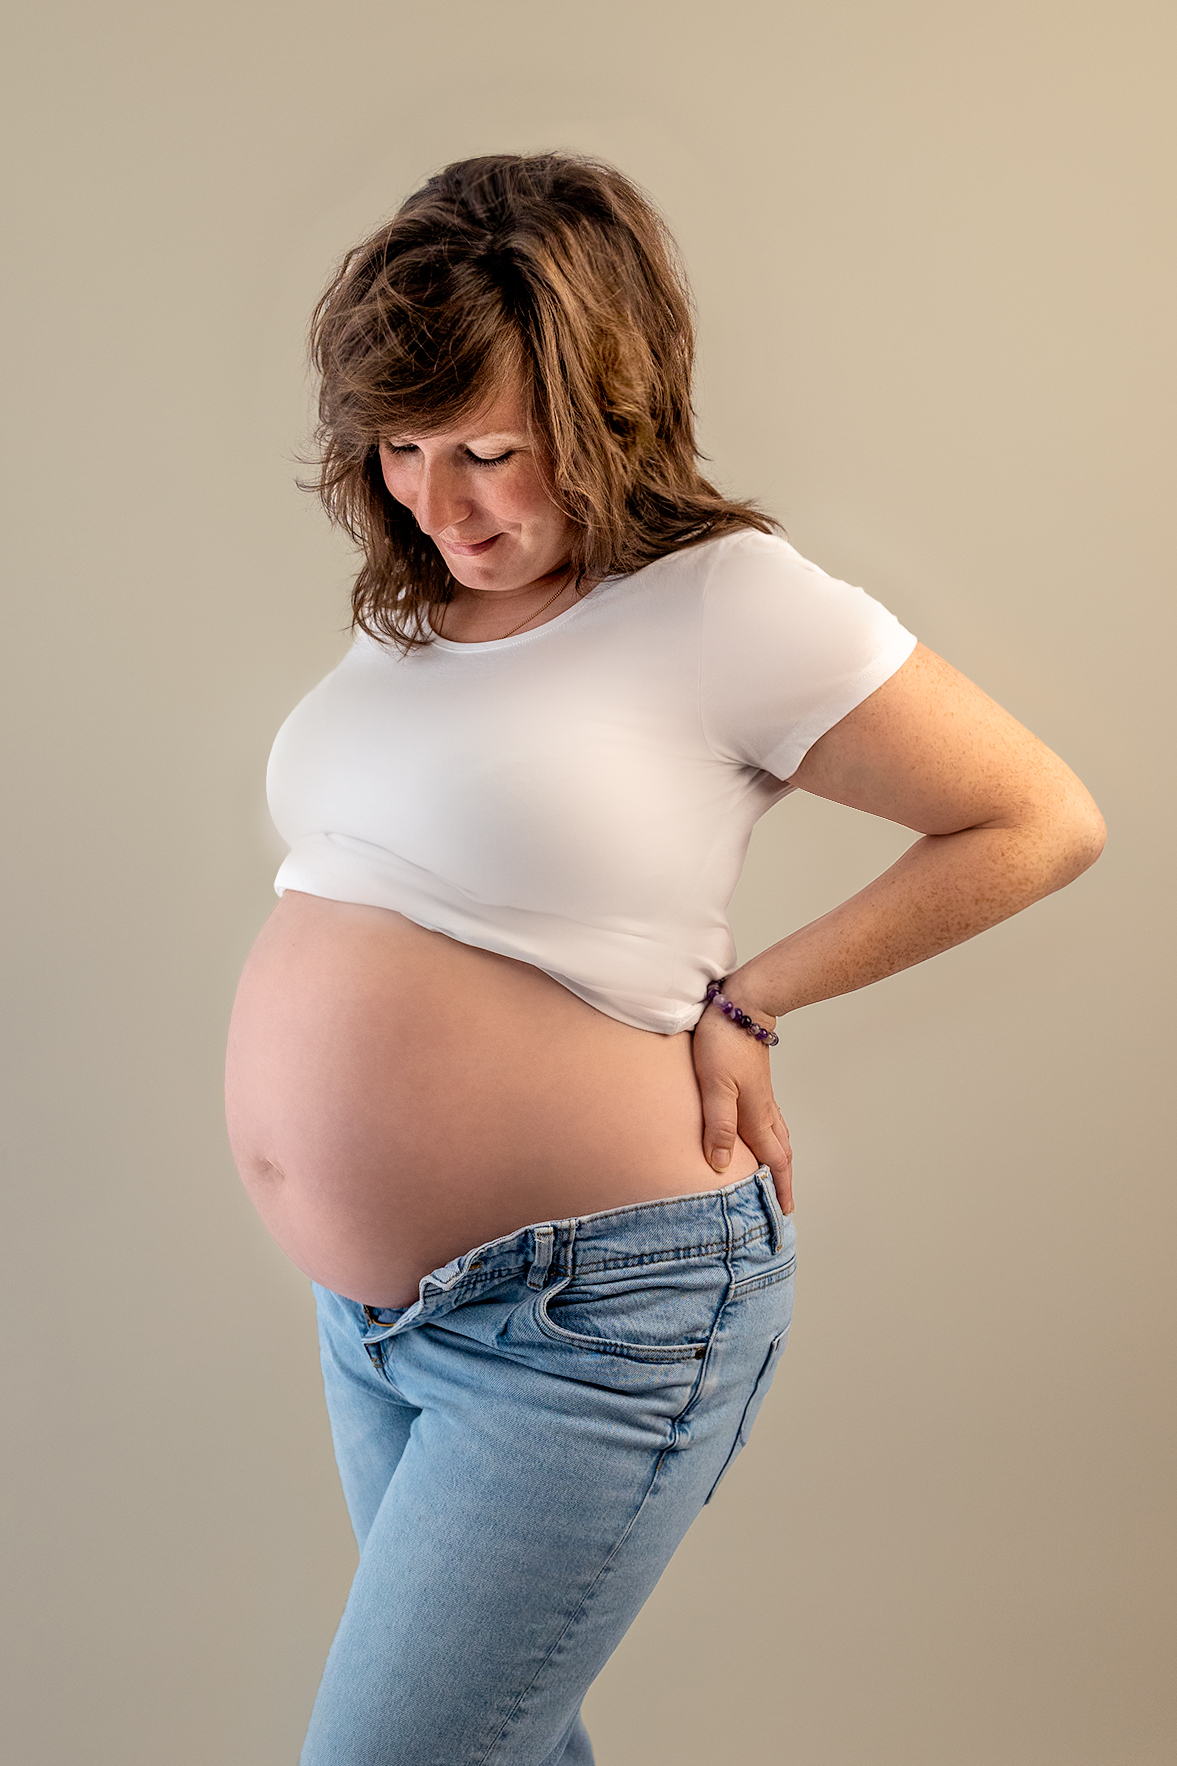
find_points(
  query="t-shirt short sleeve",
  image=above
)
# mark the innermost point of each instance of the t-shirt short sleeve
(787, 651)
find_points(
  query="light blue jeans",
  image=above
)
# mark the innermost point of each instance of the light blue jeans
(521, 1450)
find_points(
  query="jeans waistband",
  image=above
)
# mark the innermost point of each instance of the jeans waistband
(669, 1227)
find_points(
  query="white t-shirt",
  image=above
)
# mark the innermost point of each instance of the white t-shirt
(581, 796)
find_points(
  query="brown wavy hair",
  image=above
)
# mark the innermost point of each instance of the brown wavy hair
(550, 266)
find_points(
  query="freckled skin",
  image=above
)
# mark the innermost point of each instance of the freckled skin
(395, 1097)
(481, 481)
(1004, 822)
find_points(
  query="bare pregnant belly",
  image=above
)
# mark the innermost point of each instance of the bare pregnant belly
(395, 1097)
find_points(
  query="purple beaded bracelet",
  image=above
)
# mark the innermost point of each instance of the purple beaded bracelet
(714, 997)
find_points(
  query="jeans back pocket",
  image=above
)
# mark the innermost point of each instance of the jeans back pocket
(756, 1398)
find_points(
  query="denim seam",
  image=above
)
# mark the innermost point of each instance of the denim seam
(642, 1259)
(668, 1355)
(729, 1246)
(587, 1596)
(654, 1354)
(388, 1379)
(750, 1284)
(667, 1254)
(471, 1284)
(705, 1362)
(771, 1358)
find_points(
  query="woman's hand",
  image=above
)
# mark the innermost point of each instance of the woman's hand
(735, 1081)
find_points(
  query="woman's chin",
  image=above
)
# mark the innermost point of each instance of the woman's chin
(490, 575)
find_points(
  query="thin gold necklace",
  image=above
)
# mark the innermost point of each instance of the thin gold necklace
(514, 628)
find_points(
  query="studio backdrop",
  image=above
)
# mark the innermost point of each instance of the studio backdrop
(932, 249)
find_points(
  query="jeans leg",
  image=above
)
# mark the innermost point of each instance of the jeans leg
(522, 1461)
(370, 1421)
(576, 1749)
(516, 1542)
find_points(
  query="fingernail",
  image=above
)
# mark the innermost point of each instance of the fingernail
(720, 1158)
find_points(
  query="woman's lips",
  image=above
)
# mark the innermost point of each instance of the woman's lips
(473, 551)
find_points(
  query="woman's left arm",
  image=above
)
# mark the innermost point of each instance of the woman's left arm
(1004, 822)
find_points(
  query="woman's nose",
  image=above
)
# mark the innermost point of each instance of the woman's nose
(441, 501)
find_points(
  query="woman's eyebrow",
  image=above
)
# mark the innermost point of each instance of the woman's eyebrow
(514, 436)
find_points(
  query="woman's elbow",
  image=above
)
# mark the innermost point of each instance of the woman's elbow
(1097, 831)
(1091, 839)
(1061, 833)
(1080, 832)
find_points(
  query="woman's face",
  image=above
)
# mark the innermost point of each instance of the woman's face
(476, 490)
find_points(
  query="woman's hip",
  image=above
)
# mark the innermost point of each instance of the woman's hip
(524, 1447)
(646, 1326)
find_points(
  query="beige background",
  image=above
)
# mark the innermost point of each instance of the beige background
(932, 248)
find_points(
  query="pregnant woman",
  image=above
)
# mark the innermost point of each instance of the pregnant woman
(493, 1084)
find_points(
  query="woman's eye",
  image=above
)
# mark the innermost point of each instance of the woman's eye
(476, 460)
(402, 448)
(496, 460)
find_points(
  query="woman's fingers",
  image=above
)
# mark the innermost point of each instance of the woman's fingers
(740, 1104)
(721, 1111)
(781, 1166)
(769, 1141)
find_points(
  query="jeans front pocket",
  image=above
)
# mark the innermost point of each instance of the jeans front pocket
(660, 1310)
(756, 1398)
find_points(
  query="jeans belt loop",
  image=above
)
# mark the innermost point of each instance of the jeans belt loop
(772, 1208)
(541, 1261)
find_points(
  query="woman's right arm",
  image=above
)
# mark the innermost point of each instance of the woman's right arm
(1004, 822)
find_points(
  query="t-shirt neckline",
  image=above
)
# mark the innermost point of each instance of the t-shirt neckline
(518, 637)
(485, 644)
